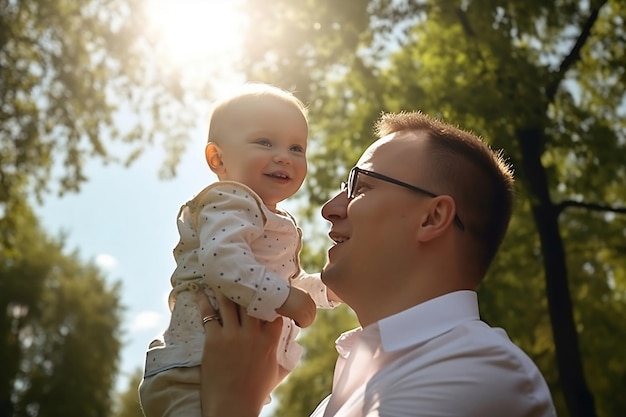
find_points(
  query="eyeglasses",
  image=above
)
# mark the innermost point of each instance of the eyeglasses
(350, 187)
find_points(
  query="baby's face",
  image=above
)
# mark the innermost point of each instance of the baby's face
(264, 147)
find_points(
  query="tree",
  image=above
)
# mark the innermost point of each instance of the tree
(128, 401)
(81, 80)
(544, 81)
(61, 330)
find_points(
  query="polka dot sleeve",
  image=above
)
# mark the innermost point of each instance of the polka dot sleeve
(229, 219)
(313, 285)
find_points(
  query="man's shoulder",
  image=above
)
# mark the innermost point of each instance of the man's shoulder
(472, 361)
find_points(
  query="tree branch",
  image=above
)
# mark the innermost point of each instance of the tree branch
(574, 54)
(589, 206)
(465, 23)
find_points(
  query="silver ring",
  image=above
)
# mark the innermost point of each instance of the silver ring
(207, 319)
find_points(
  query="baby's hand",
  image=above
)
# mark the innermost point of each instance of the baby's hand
(299, 306)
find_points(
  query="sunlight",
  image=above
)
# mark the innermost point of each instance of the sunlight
(196, 31)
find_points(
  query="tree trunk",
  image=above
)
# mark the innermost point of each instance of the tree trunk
(8, 354)
(578, 398)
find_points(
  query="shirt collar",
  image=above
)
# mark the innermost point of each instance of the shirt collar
(427, 320)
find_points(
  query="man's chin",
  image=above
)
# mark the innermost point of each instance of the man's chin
(327, 273)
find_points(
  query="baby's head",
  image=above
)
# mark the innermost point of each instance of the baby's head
(258, 136)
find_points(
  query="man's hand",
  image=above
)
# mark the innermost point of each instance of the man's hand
(239, 366)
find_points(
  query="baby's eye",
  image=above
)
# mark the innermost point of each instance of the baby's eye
(263, 142)
(297, 148)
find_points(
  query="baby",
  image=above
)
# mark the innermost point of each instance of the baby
(234, 239)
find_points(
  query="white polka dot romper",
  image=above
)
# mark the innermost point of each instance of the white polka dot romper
(231, 242)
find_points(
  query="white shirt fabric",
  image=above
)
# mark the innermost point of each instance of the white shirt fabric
(231, 242)
(437, 359)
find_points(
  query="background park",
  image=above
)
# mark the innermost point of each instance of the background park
(103, 118)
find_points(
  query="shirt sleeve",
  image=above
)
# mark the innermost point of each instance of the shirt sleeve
(488, 381)
(229, 219)
(313, 285)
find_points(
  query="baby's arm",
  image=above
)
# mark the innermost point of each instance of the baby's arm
(229, 219)
(299, 306)
(307, 293)
(323, 296)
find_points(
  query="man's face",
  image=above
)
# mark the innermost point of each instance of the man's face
(374, 231)
(264, 147)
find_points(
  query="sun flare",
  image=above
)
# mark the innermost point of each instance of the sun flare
(196, 31)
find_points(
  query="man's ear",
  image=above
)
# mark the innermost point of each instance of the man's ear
(213, 155)
(438, 218)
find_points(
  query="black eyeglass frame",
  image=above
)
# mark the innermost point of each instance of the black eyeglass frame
(350, 187)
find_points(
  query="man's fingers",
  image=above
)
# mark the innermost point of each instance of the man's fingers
(274, 328)
(207, 312)
(205, 307)
(229, 310)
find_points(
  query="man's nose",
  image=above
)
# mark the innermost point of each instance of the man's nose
(335, 208)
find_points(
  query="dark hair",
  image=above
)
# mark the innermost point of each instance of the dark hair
(462, 165)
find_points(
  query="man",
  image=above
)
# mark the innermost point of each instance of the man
(419, 221)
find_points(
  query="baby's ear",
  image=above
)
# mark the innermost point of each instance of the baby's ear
(213, 155)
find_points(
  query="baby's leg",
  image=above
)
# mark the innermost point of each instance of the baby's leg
(172, 393)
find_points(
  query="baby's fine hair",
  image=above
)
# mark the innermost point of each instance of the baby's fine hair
(249, 92)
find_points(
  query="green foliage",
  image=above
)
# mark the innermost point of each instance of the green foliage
(533, 75)
(128, 401)
(68, 70)
(60, 329)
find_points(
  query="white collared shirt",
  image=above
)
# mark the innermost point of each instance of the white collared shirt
(435, 359)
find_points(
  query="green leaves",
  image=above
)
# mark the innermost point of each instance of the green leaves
(60, 330)
(67, 71)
